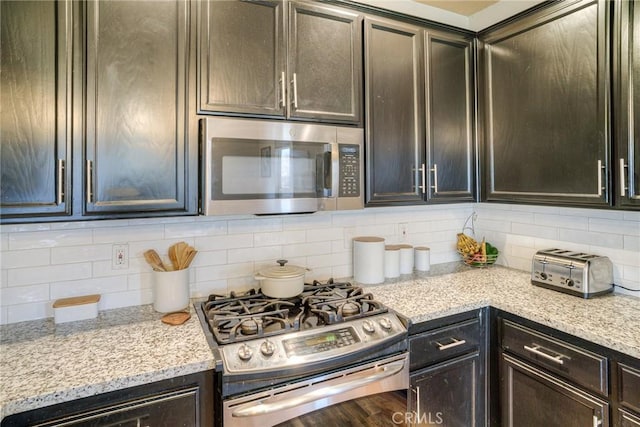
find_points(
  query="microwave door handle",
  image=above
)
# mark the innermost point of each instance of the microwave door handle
(334, 170)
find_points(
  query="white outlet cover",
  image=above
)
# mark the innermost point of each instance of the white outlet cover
(120, 257)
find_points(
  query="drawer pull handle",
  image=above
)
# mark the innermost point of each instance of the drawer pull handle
(536, 350)
(455, 343)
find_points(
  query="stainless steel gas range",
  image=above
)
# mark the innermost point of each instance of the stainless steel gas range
(286, 359)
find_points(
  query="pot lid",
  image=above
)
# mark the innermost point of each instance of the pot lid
(283, 271)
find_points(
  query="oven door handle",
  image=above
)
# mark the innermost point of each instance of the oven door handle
(351, 382)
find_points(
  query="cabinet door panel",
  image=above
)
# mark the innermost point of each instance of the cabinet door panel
(448, 394)
(35, 86)
(136, 99)
(628, 101)
(326, 58)
(242, 57)
(449, 117)
(394, 112)
(547, 90)
(531, 397)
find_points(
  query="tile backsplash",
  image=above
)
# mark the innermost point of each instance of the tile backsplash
(43, 262)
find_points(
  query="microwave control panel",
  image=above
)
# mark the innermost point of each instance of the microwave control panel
(349, 179)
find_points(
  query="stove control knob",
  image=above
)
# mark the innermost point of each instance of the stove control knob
(570, 282)
(368, 326)
(543, 275)
(244, 352)
(267, 348)
(385, 323)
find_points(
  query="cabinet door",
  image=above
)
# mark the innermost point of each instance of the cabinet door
(546, 85)
(325, 63)
(448, 394)
(626, 419)
(449, 117)
(627, 95)
(242, 57)
(531, 397)
(136, 137)
(35, 117)
(394, 85)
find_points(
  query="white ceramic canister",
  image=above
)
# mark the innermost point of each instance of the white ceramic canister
(422, 258)
(391, 261)
(368, 259)
(170, 290)
(406, 259)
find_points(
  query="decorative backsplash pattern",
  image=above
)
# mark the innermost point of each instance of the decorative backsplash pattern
(43, 262)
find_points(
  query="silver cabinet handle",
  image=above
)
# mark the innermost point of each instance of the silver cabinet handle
(295, 90)
(596, 421)
(455, 343)
(423, 186)
(435, 178)
(282, 90)
(623, 187)
(89, 182)
(417, 403)
(536, 350)
(600, 188)
(60, 182)
(353, 381)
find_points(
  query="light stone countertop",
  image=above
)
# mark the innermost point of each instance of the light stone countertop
(43, 364)
(610, 320)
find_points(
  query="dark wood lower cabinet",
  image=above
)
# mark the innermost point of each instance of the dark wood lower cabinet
(532, 397)
(178, 402)
(447, 394)
(626, 419)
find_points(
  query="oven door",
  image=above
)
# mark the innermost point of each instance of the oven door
(375, 391)
(267, 168)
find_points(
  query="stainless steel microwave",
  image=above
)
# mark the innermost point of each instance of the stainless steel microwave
(276, 167)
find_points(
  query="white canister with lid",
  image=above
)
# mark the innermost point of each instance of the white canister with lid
(368, 259)
(422, 258)
(406, 259)
(391, 261)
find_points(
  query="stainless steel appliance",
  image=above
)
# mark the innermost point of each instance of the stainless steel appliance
(272, 167)
(574, 273)
(284, 359)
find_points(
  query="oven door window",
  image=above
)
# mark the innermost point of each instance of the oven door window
(262, 169)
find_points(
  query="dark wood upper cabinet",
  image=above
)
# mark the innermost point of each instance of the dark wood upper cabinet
(35, 117)
(282, 59)
(136, 106)
(627, 103)
(449, 117)
(546, 106)
(394, 84)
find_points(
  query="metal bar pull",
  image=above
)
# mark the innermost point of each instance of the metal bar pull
(536, 350)
(435, 178)
(89, 181)
(423, 186)
(295, 90)
(600, 187)
(623, 187)
(596, 421)
(454, 343)
(281, 403)
(60, 183)
(282, 90)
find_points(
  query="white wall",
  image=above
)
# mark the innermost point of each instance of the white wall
(43, 262)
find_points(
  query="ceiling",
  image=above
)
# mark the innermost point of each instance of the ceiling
(474, 15)
(461, 7)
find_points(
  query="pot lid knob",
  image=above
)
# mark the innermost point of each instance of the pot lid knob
(282, 262)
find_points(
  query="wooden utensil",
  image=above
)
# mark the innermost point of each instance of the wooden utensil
(191, 254)
(154, 260)
(175, 319)
(173, 256)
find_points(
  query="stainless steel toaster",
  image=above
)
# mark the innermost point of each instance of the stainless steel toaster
(571, 272)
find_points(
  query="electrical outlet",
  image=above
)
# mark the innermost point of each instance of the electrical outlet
(120, 258)
(403, 229)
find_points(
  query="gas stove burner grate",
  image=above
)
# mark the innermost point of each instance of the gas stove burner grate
(249, 315)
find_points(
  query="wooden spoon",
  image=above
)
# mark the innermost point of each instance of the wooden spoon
(152, 257)
(191, 254)
(173, 256)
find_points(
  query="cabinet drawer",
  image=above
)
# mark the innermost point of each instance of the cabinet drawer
(444, 343)
(629, 387)
(580, 366)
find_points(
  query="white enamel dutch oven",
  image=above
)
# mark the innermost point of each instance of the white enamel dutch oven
(282, 281)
